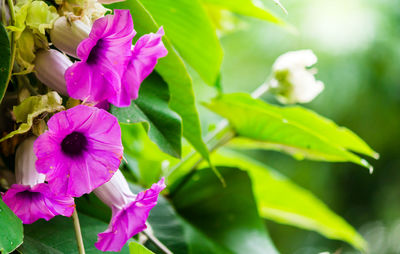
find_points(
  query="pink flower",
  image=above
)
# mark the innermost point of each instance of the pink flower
(81, 150)
(129, 211)
(31, 199)
(147, 50)
(109, 69)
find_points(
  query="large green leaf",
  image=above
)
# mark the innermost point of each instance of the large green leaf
(295, 130)
(228, 215)
(247, 8)
(174, 72)
(187, 25)
(58, 234)
(5, 59)
(151, 108)
(199, 243)
(11, 231)
(166, 226)
(281, 200)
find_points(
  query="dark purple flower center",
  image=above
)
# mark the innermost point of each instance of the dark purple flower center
(74, 144)
(95, 53)
(29, 195)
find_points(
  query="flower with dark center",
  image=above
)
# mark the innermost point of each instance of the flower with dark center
(111, 70)
(81, 150)
(31, 198)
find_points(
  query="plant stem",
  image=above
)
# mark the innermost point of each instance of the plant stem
(156, 242)
(224, 128)
(78, 234)
(13, 44)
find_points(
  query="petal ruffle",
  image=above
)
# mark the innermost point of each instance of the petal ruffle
(38, 202)
(146, 52)
(130, 220)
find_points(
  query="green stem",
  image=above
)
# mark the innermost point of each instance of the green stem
(78, 233)
(224, 129)
(13, 40)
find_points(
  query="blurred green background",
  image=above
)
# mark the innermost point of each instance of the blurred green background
(358, 46)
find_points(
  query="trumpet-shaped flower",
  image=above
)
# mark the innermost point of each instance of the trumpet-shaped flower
(104, 56)
(110, 70)
(81, 150)
(50, 67)
(292, 82)
(30, 198)
(129, 211)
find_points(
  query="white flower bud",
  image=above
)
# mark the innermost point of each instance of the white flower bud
(25, 170)
(50, 66)
(66, 36)
(116, 192)
(291, 81)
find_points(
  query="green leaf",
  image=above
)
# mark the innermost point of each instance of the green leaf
(5, 59)
(246, 8)
(144, 158)
(11, 233)
(176, 233)
(228, 215)
(295, 130)
(151, 108)
(190, 30)
(166, 226)
(174, 72)
(200, 243)
(137, 248)
(47, 236)
(281, 200)
(32, 107)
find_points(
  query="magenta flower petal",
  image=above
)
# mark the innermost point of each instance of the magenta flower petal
(129, 220)
(37, 202)
(104, 56)
(147, 50)
(81, 150)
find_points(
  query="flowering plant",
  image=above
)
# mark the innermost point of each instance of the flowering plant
(97, 104)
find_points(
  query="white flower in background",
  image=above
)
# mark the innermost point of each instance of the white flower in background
(292, 81)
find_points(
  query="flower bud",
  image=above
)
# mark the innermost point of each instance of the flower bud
(25, 170)
(291, 81)
(50, 66)
(66, 35)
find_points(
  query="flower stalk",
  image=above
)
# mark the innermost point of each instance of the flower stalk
(78, 233)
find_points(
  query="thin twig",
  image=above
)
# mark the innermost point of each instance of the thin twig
(156, 242)
(78, 233)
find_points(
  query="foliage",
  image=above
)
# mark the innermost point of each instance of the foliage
(9, 239)
(197, 213)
